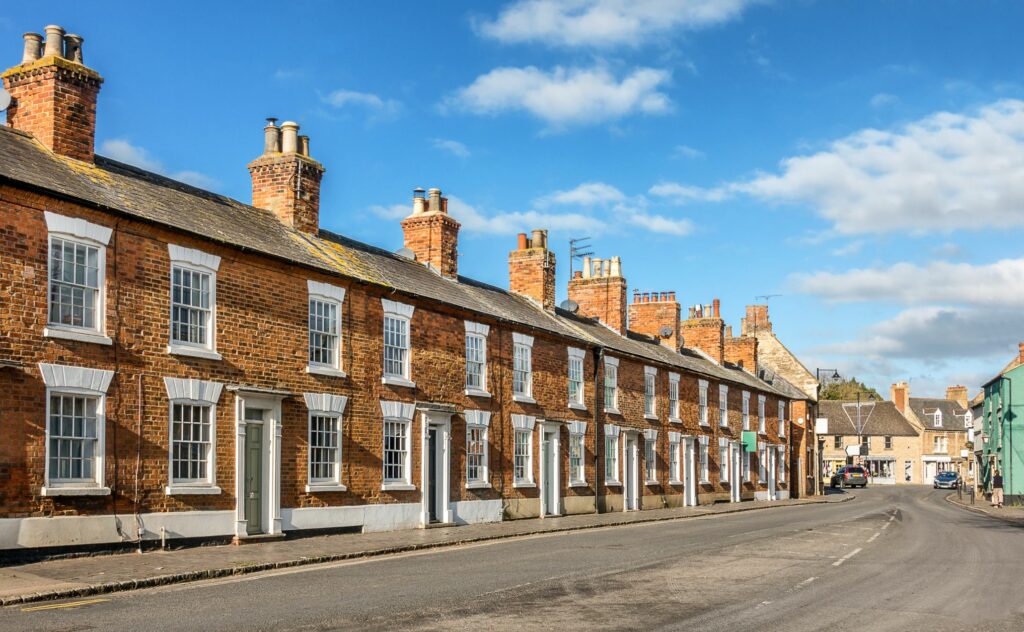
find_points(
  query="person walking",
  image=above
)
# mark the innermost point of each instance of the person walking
(997, 489)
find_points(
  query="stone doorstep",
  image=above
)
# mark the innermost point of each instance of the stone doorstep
(257, 567)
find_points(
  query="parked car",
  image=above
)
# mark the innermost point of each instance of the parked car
(946, 480)
(850, 476)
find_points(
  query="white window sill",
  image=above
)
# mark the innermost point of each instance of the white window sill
(675, 420)
(674, 482)
(612, 411)
(652, 483)
(74, 491)
(398, 487)
(81, 335)
(705, 424)
(193, 352)
(608, 483)
(314, 488)
(577, 406)
(524, 399)
(705, 482)
(524, 484)
(476, 392)
(313, 369)
(192, 490)
(578, 484)
(650, 417)
(395, 380)
(478, 485)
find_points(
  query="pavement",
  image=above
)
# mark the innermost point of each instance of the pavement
(101, 574)
(897, 558)
(1013, 514)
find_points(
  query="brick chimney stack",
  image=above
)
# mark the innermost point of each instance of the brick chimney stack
(957, 394)
(531, 269)
(285, 180)
(54, 94)
(742, 350)
(600, 292)
(899, 393)
(432, 234)
(651, 312)
(705, 330)
(756, 321)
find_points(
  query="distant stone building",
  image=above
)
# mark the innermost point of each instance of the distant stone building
(892, 443)
(943, 424)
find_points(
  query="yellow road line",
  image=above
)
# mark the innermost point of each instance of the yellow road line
(70, 604)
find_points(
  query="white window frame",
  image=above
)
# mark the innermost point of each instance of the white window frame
(746, 410)
(940, 444)
(77, 381)
(192, 260)
(762, 426)
(723, 460)
(332, 406)
(673, 399)
(675, 441)
(611, 454)
(782, 418)
(782, 464)
(723, 405)
(702, 402)
(576, 356)
(480, 421)
(332, 294)
(523, 425)
(651, 393)
(477, 331)
(399, 413)
(85, 233)
(577, 433)
(705, 472)
(762, 470)
(745, 464)
(191, 392)
(611, 368)
(401, 312)
(523, 344)
(937, 419)
(651, 456)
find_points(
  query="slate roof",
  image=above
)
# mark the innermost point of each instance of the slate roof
(123, 189)
(879, 418)
(952, 413)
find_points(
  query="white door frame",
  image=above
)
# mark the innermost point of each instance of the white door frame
(630, 500)
(689, 472)
(271, 479)
(442, 422)
(735, 476)
(771, 459)
(554, 428)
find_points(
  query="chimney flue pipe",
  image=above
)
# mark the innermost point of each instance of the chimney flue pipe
(289, 137)
(54, 41)
(33, 46)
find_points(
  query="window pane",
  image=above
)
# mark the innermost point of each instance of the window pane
(72, 441)
(190, 443)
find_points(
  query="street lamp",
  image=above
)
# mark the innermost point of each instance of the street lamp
(825, 376)
(860, 425)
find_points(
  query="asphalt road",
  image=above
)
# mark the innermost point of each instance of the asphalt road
(894, 558)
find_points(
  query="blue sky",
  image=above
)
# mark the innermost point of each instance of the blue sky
(863, 159)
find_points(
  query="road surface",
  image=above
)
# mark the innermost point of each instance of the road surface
(893, 558)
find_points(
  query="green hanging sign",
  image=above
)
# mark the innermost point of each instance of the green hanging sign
(749, 441)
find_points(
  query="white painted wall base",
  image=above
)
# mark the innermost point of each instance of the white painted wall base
(27, 533)
(761, 495)
(783, 494)
(384, 517)
(476, 511)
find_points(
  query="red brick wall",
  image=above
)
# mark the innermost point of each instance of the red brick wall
(742, 350)
(434, 237)
(275, 189)
(531, 273)
(603, 298)
(648, 313)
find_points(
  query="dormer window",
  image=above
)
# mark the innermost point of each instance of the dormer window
(937, 418)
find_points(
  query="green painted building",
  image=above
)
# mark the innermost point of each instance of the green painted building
(1002, 438)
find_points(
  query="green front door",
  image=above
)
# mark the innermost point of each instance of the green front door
(254, 478)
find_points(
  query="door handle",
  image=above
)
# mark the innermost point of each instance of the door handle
(252, 495)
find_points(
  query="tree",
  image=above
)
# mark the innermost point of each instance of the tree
(847, 390)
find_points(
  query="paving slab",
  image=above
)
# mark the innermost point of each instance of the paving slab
(98, 574)
(1013, 514)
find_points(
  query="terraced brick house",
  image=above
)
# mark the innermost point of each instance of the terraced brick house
(179, 364)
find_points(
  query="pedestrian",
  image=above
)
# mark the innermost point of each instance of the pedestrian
(997, 489)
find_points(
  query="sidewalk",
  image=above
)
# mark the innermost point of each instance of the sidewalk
(82, 576)
(1014, 515)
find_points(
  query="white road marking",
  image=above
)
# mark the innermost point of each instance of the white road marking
(892, 518)
(846, 557)
(806, 581)
(885, 526)
(872, 538)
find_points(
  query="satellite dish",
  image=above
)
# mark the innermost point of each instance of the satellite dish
(5, 99)
(570, 306)
(405, 253)
(665, 331)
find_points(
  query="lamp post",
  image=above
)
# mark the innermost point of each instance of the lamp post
(829, 375)
(860, 426)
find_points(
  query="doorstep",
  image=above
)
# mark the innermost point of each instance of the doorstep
(257, 538)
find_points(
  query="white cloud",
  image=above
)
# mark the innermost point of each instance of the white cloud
(453, 146)
(942, 173)
(683, 193)
(509, 223)
(604, 23)
(660, 224)
(937, 334)
(564, 97)
(883, 99)
(948, 250)
(124, 151)
(586, 194)
(379, 108)
(996, 284)
(685, 151)
(851, 248)
(394, 211)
